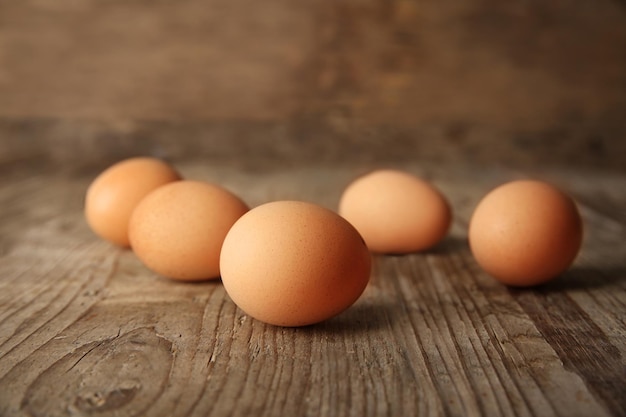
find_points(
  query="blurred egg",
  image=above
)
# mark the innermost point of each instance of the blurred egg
(292, 263)
(525, 233)
(396, 212)
(114, 194)
(178, 229)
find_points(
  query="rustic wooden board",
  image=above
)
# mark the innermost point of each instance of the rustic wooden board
(85, 329)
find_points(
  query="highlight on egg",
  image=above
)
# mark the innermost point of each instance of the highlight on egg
(293, 263)
(114, 194)
(396, 212)
(525, 232)
(178, 229)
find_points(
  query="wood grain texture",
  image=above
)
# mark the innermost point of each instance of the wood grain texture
(85, 329)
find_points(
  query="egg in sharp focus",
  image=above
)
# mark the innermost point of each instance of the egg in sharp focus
(178, 229)
(396, 212)
(525, 232)
(114, 194)
(292, 263)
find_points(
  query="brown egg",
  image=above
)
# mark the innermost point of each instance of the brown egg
(178, 229)
(396, 212)
(114, 194)
(525, 232)
(292, 263)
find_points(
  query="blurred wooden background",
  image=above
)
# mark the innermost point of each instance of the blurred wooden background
(524, 82)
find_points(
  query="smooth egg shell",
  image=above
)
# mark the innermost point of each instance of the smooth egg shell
(114, 194)
(396, 212)
(292, 263)
(178, 229)
(525, 232)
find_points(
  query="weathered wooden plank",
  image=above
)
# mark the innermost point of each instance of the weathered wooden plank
(86, 329)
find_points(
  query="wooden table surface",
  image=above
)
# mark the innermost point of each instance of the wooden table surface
(285, 99)
(87, 330)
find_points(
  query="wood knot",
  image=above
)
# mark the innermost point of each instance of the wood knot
(107, 377)
(102, 400)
